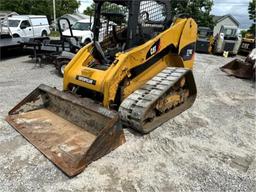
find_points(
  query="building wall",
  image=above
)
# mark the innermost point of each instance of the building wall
(227, 21)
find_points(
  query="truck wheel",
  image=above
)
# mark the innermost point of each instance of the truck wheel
(86, 42)
(61, 67)
(44, 34)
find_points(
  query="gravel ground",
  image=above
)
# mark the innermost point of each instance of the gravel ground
(210, 147)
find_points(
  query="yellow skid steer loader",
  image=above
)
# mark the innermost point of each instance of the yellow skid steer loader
(136, 73)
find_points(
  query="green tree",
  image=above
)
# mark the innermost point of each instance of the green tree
(243, 33)
(252, 16)
(197, 9)
(108, 7)
(39, 7)
(65, 6)
(90, 10)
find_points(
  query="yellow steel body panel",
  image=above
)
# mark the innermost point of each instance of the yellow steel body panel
(182, 33)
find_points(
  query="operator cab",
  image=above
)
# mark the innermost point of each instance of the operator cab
(230, 32)
(204, 32)
(121, 25)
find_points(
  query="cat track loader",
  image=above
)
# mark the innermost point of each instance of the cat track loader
(205, 40)
(137, 73)
(227, 40)
(248, 44)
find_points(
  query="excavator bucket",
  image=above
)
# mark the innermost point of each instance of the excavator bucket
(238, 68)
(70, 131)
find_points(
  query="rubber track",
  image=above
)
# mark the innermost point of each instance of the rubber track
(133, 109)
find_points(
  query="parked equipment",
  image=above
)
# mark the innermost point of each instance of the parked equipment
(227, 40)
(242, 69)
(205, 40)
(13, 34)
(6, 39)
(139, 77)
(248, 44)
(82, 30)
(60, 51)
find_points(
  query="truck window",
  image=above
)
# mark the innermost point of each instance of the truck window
(39, 21)
(13, 23)
(25, 23)
(81, 26)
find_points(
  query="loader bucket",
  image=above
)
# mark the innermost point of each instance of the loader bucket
(70, 131)
(238, 69)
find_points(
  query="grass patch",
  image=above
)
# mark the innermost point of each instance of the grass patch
(54, 34)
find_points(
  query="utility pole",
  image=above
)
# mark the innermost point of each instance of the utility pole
(54, 15)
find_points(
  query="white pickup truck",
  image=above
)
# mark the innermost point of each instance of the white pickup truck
(82, 30)
(28, 26)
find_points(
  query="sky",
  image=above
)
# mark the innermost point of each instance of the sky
(237, 8)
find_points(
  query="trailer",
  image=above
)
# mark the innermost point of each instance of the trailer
(7, 41)
(13, 32)
(55, 51)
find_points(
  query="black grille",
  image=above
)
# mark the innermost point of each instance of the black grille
(156, 11)
(152, 18)
(112, 14)
(229, 46)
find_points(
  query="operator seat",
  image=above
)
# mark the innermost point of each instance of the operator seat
(98, 54)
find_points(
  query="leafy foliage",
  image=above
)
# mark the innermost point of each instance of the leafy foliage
(252, 10)
(90, 10)
(108, 7)
(42, 7)
(252, 16)
(197, 9)
(243, 33)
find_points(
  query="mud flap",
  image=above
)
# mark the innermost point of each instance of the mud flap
(239, 69)
(70, 131)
